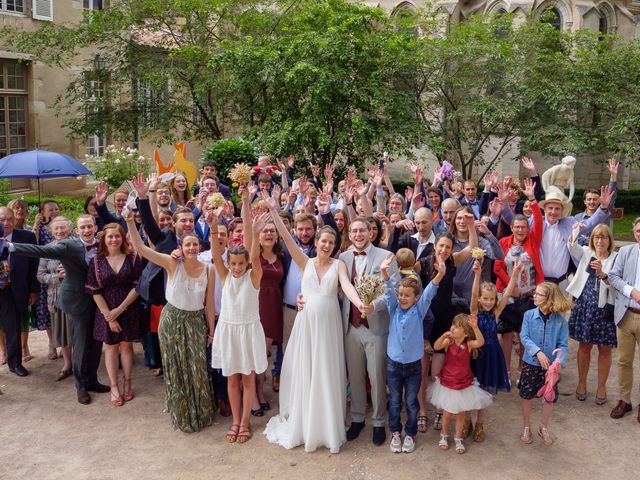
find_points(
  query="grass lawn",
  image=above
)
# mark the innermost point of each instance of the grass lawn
(622, 228)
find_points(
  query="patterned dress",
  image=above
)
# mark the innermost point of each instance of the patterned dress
(114, 287)
(589, 323)
(42, 314)
(183, 342)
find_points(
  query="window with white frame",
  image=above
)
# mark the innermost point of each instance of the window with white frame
(13, 107)
(94, 103)
(12, 6)
(93, 4)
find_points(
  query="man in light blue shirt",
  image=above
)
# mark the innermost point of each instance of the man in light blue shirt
(405, 349)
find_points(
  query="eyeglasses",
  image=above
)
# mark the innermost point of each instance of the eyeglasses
(538, 294)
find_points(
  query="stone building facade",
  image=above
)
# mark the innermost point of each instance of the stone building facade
(28, 89)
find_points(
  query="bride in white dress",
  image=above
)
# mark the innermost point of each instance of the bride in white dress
(313, 377)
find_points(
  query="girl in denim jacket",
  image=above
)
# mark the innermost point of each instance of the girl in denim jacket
(543, 330)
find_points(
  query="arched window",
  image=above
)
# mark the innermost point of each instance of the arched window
(405, 15)
(554, 17)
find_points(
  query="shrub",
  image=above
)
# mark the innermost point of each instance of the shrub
(117, 165)
(226, 153)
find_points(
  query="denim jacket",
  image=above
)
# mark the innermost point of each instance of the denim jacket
(536, 335)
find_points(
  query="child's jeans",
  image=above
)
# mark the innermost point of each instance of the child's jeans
(404, 377)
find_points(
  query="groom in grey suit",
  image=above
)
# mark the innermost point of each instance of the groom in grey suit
(366, 338)
(75, 255)
(625, 278)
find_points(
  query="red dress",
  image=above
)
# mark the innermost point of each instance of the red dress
(270, 298)
(456, 373)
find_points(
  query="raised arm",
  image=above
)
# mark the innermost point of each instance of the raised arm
(212, 218)
(254, 253)
(475, 288)
(148, 220)
(465, 254)
(479, 341)
(296, 254)
(165, 261)
(517, 270)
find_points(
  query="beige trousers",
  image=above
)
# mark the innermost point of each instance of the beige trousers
(628, 333)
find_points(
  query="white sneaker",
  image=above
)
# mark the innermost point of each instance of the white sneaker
(396, 442)
(409, 444)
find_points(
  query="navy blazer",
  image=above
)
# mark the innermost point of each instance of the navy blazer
(23, 271)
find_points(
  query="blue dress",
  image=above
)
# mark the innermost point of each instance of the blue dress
(490, 367)
(589, 323)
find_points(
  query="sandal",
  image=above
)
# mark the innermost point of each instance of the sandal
(117, 400)
(443, 444)
(27, 358)
(545, 435)
(63, 374)
(128, 394)
(257, 413)
(232, 434)
(478, 433)
(244, 434)
(265, 406)
(437, 421)
(52, 356)
(423, 423)
(460, 449)
(156, 372)
(467, 428)
(601, 400)
(581, 396)
(526, 436)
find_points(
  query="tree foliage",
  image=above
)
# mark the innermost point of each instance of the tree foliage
(336, 80)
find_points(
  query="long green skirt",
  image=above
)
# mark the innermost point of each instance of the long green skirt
(183, 340)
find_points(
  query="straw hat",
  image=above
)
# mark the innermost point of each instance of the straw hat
(557, 197)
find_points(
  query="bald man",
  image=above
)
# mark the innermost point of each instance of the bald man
(447, 211)
(421, 240)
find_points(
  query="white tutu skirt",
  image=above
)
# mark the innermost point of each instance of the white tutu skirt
(456, 401)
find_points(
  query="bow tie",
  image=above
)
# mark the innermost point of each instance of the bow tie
(93, 246)
(357, 254)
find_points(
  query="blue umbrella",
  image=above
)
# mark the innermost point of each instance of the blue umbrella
(40, 164)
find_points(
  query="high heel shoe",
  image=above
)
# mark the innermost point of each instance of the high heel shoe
(116, 401)
(128, 393)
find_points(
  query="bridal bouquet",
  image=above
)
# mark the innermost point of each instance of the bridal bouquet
(369, 287)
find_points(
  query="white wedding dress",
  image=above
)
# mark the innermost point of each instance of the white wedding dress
(313, 377)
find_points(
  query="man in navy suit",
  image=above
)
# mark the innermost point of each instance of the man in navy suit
(20, 290)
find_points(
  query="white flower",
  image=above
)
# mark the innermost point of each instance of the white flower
(128, 150)
(117, 161)
(141, 158)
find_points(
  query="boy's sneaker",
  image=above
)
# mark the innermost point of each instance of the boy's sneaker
(409, 444)
(396, 442)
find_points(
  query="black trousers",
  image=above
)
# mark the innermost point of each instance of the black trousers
(12, 319)
(86, 350)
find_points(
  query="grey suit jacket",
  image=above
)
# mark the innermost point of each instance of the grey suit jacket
(72, 298)
(623, 273)
(379, 319)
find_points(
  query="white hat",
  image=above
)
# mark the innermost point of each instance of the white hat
(555, 196)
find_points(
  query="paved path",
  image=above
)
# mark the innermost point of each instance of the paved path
(45, 435)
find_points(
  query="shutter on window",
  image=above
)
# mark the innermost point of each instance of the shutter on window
(42, 9)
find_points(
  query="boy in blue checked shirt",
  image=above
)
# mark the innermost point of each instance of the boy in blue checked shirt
(405, 348)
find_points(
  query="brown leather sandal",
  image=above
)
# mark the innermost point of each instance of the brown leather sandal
(232, 434)
(244, 434)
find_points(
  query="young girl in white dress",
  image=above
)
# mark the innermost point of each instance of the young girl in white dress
(312, 388)
(238, 342)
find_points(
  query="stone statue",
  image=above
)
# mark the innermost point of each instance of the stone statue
(559, 177)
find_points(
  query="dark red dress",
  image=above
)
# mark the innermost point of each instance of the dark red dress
(270, 298)
(114, 287)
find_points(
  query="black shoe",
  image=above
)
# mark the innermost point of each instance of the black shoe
(98, 388)
(83, 397)
(379, 435)
(354, 430)
(19, 371)
(257, 413)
